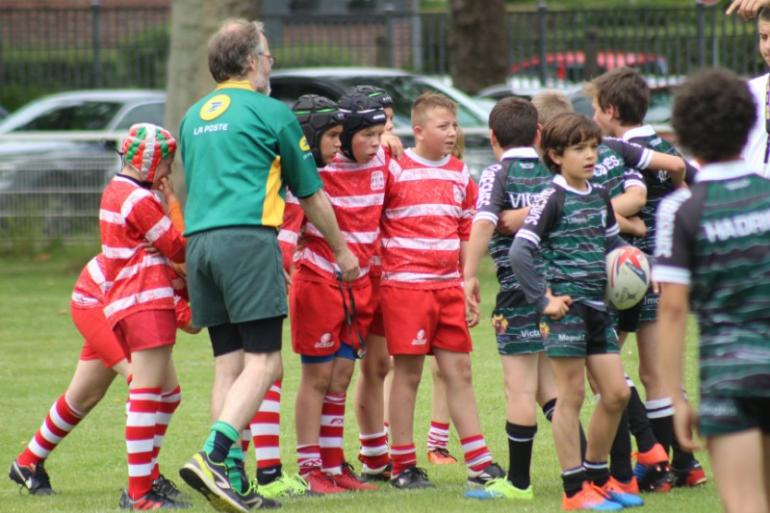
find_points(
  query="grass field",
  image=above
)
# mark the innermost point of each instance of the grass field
(40, 347)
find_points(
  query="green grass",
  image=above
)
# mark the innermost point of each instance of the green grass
(40, 347)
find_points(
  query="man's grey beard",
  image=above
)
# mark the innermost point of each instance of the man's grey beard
(264, 88)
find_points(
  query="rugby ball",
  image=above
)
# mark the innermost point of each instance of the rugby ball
(628, 277)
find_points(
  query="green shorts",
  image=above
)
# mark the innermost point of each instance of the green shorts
(726, 415)
(516, 324)
(584, 331)
(235, 275)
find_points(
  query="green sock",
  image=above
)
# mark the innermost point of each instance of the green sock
(235, 470)
(221, 437)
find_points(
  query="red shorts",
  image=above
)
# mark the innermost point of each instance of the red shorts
(317, 315)
(146, 329)
(377, 327)
(99, 339)
(417, 321)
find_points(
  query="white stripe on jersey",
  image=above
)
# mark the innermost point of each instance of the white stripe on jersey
(529, 235)
(135, 197)
(365, 200)
(135, 299)
(119, 253)
(322, 263)
(420, 277)
(147, 261)
(288, 236)
(350, 237)
(110, 217)
(485, 216)
(422, 243)
(432, 173)
(425, 209)
(157, 231)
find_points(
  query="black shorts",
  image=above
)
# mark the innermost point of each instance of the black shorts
(260, 336)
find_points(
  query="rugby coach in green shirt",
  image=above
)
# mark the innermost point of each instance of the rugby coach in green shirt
(240, 148)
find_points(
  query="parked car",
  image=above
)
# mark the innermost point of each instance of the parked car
(571, 65)
(57, 180)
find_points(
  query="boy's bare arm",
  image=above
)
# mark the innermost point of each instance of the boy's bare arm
(510, 221)
(630, 202)
(631, 225)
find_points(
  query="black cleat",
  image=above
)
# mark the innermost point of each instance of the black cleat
(166, 487)
(490, 472)
(253, 500)
(211, 480)
(34, 478)
(412, 478)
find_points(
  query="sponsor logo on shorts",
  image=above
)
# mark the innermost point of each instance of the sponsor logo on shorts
(324, 342)
(420, 339)
(563, 337)
(530, 334)
(500, 323)
(378, 181)
(214, 107)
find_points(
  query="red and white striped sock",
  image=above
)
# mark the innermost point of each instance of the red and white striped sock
(169, 402)
(332, 433)
(266, 429)
(374, 452)
(308, 459)
(403, 457)
(143, 406)
(476, 454)
(245, 441)
(61, 419)
(438, 435)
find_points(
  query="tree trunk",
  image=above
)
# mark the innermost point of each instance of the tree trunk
(477, 44)
(192, 23)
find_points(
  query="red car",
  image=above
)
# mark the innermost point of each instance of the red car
(570, 65)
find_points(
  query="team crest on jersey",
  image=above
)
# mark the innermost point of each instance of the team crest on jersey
(544, 330)
(377, 181)
(303, 145)
(500, 323)
(214, 107)
(420, 339)
(325, 341)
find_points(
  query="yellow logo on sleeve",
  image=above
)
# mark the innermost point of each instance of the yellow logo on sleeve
(303, 145)
(214, 107)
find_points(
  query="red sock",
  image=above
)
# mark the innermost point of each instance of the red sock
(374, 452)
(169, 402)
(476, 454)
(332, 432)
(403, 457)
(143, 405)
(308, 459)
(438, 435)
(266, 428)
(61, 419)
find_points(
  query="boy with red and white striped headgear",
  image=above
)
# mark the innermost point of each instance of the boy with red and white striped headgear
(138, 240)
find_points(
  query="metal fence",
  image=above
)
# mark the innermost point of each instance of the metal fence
(51, 49)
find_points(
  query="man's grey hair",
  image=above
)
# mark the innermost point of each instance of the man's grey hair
(231, 46)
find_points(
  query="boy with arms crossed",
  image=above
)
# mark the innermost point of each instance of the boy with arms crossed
(620, 100)
(712, 251)
(575, 223)
(428, 211)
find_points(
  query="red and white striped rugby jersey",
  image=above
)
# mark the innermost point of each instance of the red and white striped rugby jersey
(429, 208)
(129, 217)
(356, 192)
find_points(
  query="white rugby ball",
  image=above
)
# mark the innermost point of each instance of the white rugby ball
(628, 277)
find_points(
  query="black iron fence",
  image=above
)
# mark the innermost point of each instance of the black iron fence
(50, 49)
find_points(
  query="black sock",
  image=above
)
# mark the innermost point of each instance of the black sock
(682, 460)
(638, 422)
(548, 409)
(268, 474)
(620, 452)
(221, 447)
(520, 440)
(572, 480)
(661, 415)
(597, 472)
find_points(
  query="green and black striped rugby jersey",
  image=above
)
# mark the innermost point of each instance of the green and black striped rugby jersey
(715, 238)
(511, 183)
(573, 229)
